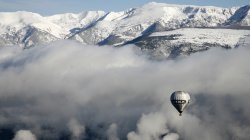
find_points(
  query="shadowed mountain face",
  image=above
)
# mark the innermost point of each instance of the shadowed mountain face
(240, 17)
(133, 26)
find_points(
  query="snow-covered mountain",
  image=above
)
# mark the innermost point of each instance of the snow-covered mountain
(185, 41)
(132, 26)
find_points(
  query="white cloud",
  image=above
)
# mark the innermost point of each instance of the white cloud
(112, 132)
(171, 136)
(43, 88)
(24, 135)
(150, 127)
(77, 130)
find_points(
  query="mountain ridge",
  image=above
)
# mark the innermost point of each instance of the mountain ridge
(29, 29)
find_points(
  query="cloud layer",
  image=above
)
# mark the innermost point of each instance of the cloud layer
(66, 90)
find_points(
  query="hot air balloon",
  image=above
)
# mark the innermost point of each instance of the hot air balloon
(180, 100)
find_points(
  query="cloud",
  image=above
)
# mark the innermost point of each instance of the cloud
(171, 136)
(150, 126)
(112, 132)
(68, 90)
(77, 130)
(24, 135)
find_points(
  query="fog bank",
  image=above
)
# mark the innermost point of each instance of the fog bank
(69, 91)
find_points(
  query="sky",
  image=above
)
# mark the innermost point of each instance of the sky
(50, 7)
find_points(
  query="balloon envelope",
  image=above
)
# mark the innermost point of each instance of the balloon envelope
(180, 100)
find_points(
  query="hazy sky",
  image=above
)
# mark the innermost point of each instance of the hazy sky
(48, 7)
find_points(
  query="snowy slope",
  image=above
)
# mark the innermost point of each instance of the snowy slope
(14, 22)
(70, 21)
(185, 41)
(200, 36)
(29, 29)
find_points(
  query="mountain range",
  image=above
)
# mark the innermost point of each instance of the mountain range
(162, 30)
